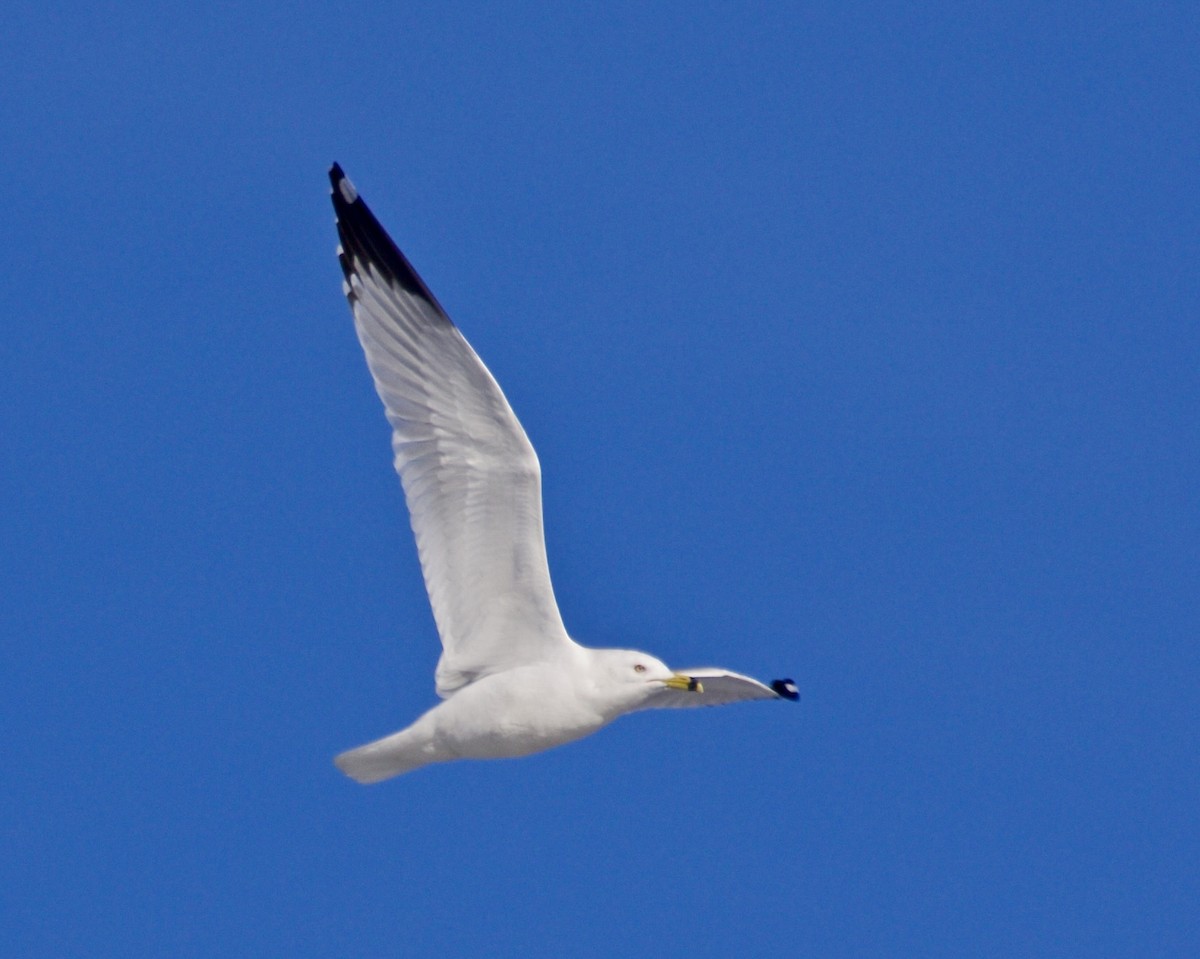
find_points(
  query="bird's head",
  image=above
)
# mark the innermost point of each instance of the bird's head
(630, 677)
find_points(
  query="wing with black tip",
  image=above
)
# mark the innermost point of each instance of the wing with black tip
(470, 475)
(719, 687)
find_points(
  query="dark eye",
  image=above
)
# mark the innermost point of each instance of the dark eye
(639, 668)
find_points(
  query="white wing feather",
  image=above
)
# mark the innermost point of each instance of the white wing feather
(470, 475)
(720, 687)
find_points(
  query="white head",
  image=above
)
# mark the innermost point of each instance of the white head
(626, 678)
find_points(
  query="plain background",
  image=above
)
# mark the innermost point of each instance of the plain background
(859, 343)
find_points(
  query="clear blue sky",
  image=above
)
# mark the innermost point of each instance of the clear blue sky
(859, 344)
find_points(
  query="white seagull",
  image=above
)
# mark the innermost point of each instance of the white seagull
(512, 681)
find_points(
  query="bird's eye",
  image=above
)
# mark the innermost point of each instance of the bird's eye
(639, 668)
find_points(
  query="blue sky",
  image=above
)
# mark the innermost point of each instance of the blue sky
(859, 344)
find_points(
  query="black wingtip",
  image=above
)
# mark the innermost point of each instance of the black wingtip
(343, 189)
(785, 688)
(365, 240)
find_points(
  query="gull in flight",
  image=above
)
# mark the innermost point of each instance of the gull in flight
(512, 682)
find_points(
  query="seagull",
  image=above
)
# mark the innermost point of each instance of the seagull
(511, 681)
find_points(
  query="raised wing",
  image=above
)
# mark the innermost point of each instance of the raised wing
(720, 687)
(470, 475)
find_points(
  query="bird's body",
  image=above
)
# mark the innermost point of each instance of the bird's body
(503, 716)
(512, 681)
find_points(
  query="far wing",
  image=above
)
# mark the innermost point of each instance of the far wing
(470, 475)
(720, 687)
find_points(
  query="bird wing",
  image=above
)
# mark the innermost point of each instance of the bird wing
(720, 687)
(470, 475)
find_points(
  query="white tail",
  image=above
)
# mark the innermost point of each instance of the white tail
(391, 756)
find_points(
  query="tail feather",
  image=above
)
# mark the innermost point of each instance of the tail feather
(391, 756)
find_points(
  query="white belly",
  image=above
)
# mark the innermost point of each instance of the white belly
(513, 714)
